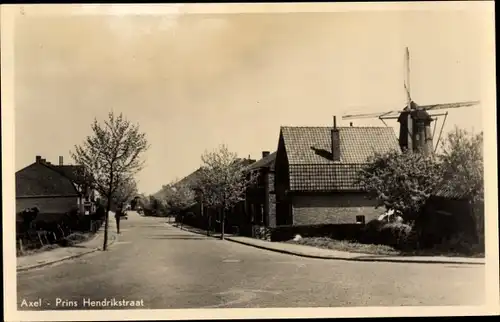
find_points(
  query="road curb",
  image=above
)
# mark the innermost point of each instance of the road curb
(93, 250)
(195, 232)
(357, 259)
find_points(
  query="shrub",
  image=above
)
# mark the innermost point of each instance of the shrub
(262, 232)
(396, 234)
(371, 232)
(460, 244)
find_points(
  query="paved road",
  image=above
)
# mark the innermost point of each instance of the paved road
(169, 268)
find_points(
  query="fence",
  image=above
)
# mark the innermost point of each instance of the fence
(50, 229)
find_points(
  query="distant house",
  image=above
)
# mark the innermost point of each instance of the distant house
(197, 210)
(316, 173)
(260, 198)
(53, 188)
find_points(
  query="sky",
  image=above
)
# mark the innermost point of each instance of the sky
(195, 81)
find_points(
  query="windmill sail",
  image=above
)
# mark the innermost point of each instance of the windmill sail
(415, 121)
(368, 115)
(407, 76)
(449, 105)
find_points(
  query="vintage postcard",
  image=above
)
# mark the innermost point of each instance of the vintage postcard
(223, 161)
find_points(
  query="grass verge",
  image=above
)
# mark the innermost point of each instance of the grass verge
(354, 247)
(346, 246)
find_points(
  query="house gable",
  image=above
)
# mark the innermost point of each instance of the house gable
(282, 179)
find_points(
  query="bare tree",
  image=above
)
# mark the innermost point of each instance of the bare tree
(223, 180)
(111, 155)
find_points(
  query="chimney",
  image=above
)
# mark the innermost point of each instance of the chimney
(265, 154)
(61, 160)
(43, 161)
(38, 159)
(335, 141)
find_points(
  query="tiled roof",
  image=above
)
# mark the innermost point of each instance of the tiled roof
(444, 190)
(312, 145)
(73, 172)
(39, 179)
(309, 153)
(268, 161)
(324, 177)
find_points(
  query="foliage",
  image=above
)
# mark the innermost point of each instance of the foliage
(111, 156)
(462, 162)
(28, 216)
(178, 197)
(400, 181)
(125, 191)
(395, 234)
(223, 179)
(141, 201)
(134, 203)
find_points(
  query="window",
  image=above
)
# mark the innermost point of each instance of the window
(360, 220)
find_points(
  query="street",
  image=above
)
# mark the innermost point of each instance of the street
(156, 266)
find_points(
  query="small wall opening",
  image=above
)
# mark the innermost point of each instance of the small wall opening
(360, 220)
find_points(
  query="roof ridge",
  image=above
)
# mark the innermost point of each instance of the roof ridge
(339, 127)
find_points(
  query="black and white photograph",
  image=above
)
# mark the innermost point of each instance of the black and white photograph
(201, 161)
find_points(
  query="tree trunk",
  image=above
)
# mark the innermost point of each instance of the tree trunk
(209, 224)
(106, 222)
(108, 209)
(223, 219)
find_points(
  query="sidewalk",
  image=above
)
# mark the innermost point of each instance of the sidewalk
(64, 253)
(321, 253)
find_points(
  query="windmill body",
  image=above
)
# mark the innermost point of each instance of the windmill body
(415, 122)
(415, 133)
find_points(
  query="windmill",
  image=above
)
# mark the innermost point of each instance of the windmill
(415, 122)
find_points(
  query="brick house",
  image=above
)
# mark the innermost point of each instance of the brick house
(316, 172)
(260, 198)
(52, 188)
